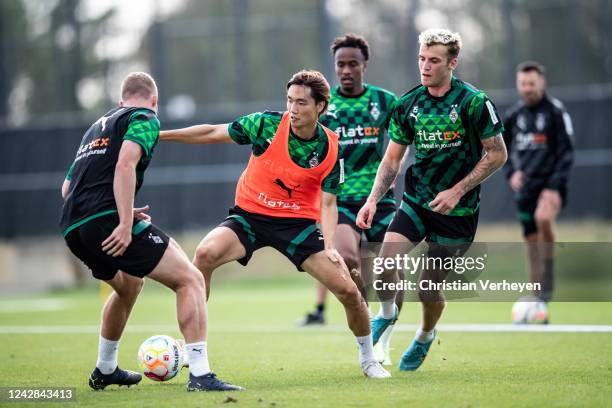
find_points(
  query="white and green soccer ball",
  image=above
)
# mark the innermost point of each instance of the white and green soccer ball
(160, 357)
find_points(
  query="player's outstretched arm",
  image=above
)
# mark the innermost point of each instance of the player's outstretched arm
(494, 158)
(329, 222)
(385, 177)
(198, 134)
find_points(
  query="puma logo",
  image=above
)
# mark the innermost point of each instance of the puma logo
(198, 350)
(282, 185)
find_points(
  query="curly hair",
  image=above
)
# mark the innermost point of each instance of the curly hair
(351, 40)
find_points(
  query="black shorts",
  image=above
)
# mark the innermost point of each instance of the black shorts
(296, 238)
(385, 210)
(417, 224)
(142, 255)
(526, 205)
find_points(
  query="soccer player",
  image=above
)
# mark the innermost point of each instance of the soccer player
(450, 122)
(538, 133)
(290, 183)
(359, 113)
(118, 242)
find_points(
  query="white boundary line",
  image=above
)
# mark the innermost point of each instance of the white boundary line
(457, 328)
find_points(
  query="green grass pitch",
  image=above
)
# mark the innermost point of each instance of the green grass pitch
(254, 342)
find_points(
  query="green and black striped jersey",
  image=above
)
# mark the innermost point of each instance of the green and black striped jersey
(361, 123)
(446, 132)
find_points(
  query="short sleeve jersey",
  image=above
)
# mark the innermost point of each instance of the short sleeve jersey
(258, 129)
(446, 132)
(361, 123)
(92, 173)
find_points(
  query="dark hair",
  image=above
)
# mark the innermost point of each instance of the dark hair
(529, 66)
(319, 87)
(351, 40)
(138, 84)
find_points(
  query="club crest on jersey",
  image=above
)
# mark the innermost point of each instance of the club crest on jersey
(540, 122)
(314, 161)
(453, 114)
(374, 110)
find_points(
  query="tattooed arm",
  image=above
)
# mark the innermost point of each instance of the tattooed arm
(495, 156)
(385, 177)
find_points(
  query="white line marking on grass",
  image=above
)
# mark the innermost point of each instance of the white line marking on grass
(505, 328)
(459, 328)
(85, 329)
(33, 305)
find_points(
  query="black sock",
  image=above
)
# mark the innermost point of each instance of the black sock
(320, 308)
(547, 281)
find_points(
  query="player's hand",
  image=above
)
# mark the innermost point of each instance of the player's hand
(141, 213)
(117, 242)
(445, 201)
(336, 258)
(365, 215)
(517, 180)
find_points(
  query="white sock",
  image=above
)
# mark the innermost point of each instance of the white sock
(388, 309)
(385, 339)
(197, 355)
(366, 351)
(423, 336)
(107, 355)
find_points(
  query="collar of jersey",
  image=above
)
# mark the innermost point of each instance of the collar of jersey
(441, 98)
(317, 137)
(339, 92)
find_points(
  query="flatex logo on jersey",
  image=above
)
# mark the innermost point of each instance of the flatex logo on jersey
(279, 204)
(96, 146)
(531, 141)
(358, 134)
(437, 131)
(438, 139)
(283, 183)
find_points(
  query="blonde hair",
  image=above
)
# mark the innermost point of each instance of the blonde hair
(138, 84)
(441, 36)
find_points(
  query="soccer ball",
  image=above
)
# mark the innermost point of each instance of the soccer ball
(160, 357)
(529, 311)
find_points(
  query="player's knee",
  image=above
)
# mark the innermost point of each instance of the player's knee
(131, 289)
(207, 257)
(352, 261)
(191, 278)
(543, 220)
(349, 295)
(197, 279)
